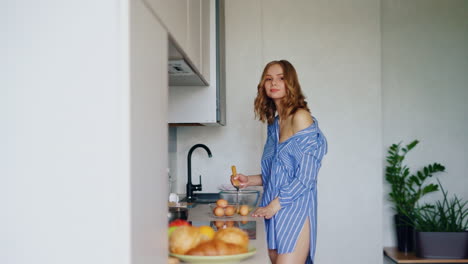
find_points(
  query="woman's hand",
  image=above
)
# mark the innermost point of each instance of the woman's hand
(268, 211)
(240, 180)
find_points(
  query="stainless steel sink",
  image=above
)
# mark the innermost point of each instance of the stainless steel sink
(204, 198)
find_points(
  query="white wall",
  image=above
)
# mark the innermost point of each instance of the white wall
(425, 88)
(72, 138)
(335, 46)
(149, 134)
(64, 134)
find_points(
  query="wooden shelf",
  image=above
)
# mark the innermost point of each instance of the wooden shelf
(410, 257)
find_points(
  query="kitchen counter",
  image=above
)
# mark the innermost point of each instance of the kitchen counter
(202, 213)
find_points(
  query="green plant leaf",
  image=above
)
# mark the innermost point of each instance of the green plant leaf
(407, 188)
(411, 145)
(430, 188)
(420, 176)
(446, 215)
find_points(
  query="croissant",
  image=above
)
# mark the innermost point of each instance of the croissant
(233, 235)
(183, 239)
(216, 247)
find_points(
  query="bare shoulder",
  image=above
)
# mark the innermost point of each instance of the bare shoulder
(301, 120)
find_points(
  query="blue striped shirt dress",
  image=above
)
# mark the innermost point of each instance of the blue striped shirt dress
(289, 171)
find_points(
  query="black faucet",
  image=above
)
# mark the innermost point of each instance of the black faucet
(193, 187)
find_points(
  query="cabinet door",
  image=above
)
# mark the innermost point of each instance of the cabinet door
(206, 20)
(173, 15)
(189, 23)
(194, 47)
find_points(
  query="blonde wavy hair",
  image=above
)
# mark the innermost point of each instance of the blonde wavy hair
(264, 106)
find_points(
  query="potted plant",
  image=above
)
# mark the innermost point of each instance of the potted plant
(442, 228)
(406, 190)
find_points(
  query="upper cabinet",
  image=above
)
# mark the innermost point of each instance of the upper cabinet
(194, 38)
(196, 59)
(187, 22)
(173, 15)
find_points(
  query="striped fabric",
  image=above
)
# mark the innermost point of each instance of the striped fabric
(289, 171)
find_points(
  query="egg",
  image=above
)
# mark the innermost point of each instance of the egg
(229, 210)
(229, 223)
(218, 211)
(219, 224)
(244, 210)
(222, 203)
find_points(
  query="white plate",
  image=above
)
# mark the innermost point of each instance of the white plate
(215, 259)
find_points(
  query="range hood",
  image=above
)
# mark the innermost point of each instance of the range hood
(180, 69)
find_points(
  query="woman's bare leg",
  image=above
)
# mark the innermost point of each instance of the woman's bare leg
(273, 255)
(302, 248)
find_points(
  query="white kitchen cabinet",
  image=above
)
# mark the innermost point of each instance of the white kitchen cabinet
(194, 31)
(204, 105)
(173, 15)
(187, 24)
(206, 19)
(196, 94)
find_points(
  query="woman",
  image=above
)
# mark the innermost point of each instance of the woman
(290, 164)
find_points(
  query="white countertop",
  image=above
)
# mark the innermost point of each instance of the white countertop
(202, 212)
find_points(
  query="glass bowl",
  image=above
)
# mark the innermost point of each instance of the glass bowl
(246, 197)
